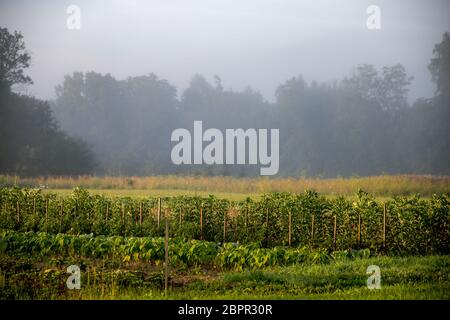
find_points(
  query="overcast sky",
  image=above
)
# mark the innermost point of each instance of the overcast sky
(260, 43)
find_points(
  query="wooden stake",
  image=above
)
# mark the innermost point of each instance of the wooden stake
(61, 215)
(18, 212)
(159, 211)
(359, 229)
(123, 214)
(201, 223)
(225, 226)
(290, 228)
(267, 227)
(334, 231)
(166, 254)
(46, 214)
(246, 219)
(384, 225)
(140, 213)
(133, 218)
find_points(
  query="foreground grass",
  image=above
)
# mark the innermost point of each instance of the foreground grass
(402, 278)
(378, 185)
(425, 277)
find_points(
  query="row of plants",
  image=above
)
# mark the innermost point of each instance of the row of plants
(192, 253)
(401, 225)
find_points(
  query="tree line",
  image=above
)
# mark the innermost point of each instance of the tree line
(360, 125)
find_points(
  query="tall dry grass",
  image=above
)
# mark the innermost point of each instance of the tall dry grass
(385, 185)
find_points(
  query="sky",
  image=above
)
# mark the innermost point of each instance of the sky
(257, 43)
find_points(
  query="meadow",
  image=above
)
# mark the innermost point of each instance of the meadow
(379, 186)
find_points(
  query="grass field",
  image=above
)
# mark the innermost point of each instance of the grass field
(229, 187)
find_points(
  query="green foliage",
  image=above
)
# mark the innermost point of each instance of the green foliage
(413, 225)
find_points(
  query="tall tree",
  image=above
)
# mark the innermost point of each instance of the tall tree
(31, 142)
(440, 66)
(13, 59)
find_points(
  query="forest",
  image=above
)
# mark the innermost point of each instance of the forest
(361, 125)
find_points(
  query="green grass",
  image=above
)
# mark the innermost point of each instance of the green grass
(402, 278)
(426, 277)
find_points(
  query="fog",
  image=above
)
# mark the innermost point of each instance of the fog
(253, 42)
(343, 98)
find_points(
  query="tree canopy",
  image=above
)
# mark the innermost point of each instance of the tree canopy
(31, 141)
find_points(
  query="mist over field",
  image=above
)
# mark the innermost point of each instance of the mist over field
(104, 98)
(221, 150)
